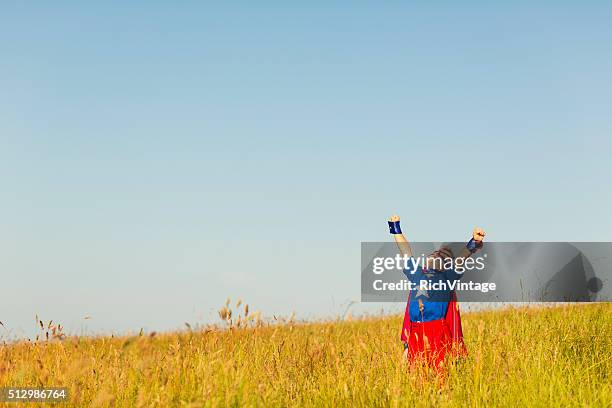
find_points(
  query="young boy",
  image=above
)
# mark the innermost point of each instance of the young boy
(432, 323)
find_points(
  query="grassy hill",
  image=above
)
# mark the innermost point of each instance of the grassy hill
(543, 357)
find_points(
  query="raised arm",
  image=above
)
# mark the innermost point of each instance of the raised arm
(473, 244)
(400, 239)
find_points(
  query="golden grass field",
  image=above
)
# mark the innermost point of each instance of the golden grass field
(542, 357)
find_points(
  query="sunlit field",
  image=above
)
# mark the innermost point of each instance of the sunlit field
(543, 357)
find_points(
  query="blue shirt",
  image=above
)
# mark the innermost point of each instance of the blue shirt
(435, 302)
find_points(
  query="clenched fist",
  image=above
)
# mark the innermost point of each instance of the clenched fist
(478, 234)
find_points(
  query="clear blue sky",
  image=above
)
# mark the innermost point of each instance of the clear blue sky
(156, 158)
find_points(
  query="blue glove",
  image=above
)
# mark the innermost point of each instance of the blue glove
(474, 245)
(394, 227)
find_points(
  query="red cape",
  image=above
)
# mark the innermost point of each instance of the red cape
(453, 319)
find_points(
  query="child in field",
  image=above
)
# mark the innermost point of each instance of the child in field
(432, 323)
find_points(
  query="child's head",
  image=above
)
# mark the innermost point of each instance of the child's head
(437, 259)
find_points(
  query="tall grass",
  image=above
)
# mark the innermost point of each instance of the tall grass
(545, 357)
